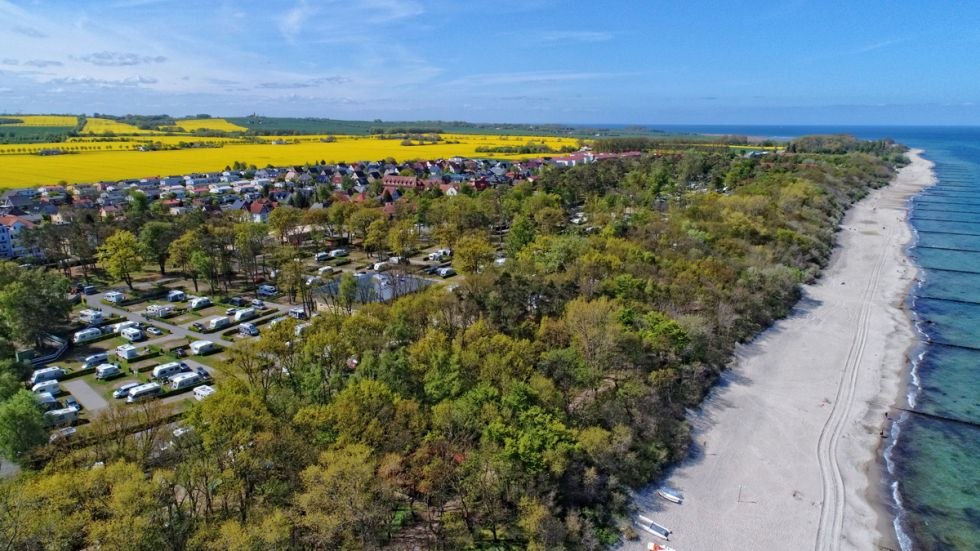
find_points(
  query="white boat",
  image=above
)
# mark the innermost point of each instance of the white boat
(652, 527)
(670, 495)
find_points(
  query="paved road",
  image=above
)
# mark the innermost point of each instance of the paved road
(86, 395)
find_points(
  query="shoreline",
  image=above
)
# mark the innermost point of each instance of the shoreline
(786, 450)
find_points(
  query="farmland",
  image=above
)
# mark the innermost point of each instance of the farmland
(108, 126)
(43, 120)
(221, 125)
(117, 160)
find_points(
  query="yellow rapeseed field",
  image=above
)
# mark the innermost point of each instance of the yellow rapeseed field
(44, 120)
(91, 165)
(221, 125)
(101, 126)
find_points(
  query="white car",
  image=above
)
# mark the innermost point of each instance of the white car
(446, 272)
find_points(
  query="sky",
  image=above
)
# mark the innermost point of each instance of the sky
(533, 61)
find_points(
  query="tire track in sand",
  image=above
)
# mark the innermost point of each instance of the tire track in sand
(833, 496)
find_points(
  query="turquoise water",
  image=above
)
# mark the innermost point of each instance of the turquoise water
(934, 464)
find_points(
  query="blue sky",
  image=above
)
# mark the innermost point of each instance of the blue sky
(787, 62)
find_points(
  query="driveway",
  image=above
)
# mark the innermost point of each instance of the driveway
(89, 398)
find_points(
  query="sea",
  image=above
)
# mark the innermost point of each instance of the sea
(932, 457)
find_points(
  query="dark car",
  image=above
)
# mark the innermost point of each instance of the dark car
(196, 326)
(236, 301)
(203, 373)
(180, 352)
(71, 402)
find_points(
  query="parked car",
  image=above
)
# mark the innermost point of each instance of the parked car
(62, 434)
(337, 253)
(231, 311)
(236, 301)
(154, 331)
(258, 303)
(180, 352)
(446, 272)
(203, 373)
(196, 326)
(71, 402)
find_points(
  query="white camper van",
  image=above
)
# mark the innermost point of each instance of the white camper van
(244, 314)
(218, 323)
(184, 380)
(144, 392)
(107, 371)
(51, 387)
(86, 335)
(132, 334)
(52, 373)
(167, 370)
(95, 359)
(59, 417)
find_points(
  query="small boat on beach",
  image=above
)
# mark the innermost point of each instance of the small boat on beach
(670, 495)
(652, 527)
(658, 547)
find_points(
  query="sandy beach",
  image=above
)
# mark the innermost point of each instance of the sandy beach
(786, 447)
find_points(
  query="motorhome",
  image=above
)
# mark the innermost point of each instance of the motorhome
(51, 387)
(322, 256)
(118, 327)
(144, 392)
(127, 352)
(267, 290)
(248, 329)
(132, 334)
(91, 317)
(218, 323)
(86, 335)
(297, 313)
(199, 302)
(325, 270)
(176, 295)
(337, 253)
(52, 373)
(59, 417)
(160, 310)
(47, 401)
(244, 314)
(107, 371)
(184, 380)
(203, 392)
(95, 359)
(114, 297)
(164, 371)
(202, 347)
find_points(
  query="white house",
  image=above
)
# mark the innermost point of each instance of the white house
(10, 239)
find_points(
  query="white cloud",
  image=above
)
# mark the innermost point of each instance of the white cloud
(119, 59)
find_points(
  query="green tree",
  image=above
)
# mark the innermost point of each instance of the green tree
(285, 220)
(403, 238)
(21, 425)
(156, 238)
(31, 302)
(121, 255)
(182, 252)
(472, 252)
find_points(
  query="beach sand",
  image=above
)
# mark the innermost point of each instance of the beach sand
(787, 446)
